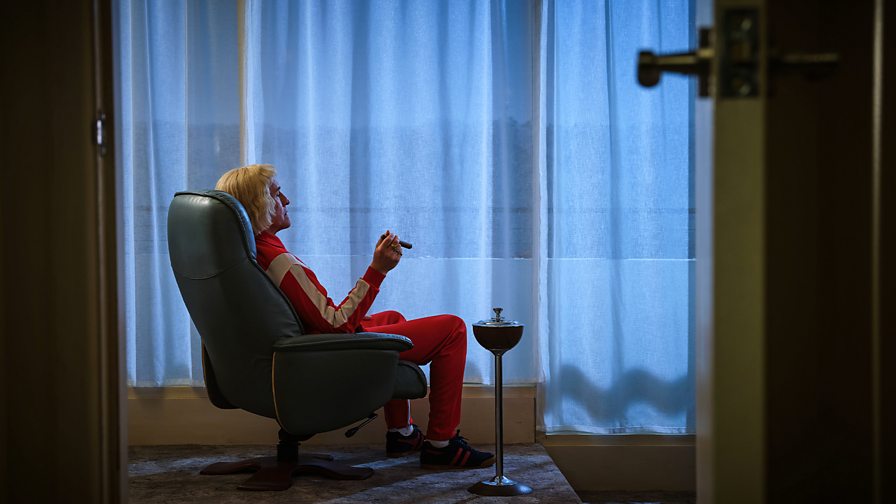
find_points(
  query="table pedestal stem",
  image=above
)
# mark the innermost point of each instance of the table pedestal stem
(499, 418)
(499, 485)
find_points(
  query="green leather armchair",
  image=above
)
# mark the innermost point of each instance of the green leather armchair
(254, 354)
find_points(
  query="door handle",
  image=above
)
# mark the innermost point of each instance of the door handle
(809, 65)
(699, 63)
(739, 59)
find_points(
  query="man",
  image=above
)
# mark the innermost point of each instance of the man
(440, 341)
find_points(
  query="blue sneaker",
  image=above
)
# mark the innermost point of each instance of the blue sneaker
(457, 455)
(399, 446)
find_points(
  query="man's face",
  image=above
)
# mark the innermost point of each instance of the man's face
(280, 219)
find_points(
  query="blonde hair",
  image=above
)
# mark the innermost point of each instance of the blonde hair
(251, 186)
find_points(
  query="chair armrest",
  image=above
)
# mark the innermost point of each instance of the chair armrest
(343, 341)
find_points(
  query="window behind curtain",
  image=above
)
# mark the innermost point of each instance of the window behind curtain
(617, 253)
(507, 140)
(409, 116)
(177, 87)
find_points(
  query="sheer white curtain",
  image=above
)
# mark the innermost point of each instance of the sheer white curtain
(616, 240)
(508, 141)
(178, 127)
(409, 116)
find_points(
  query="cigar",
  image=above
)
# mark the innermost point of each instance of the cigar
(402, 243)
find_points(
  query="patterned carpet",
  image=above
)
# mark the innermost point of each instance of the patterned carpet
(170, 474)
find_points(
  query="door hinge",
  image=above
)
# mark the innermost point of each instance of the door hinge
(100, 130)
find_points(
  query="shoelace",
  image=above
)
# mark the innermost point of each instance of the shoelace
(462, 441)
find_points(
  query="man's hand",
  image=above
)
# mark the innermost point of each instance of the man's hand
(387, 253)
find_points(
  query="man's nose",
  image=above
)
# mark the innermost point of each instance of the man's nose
(285, 199)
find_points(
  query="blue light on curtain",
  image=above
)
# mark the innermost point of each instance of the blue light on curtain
(413, 117)
(508, 141)
(616, 257)
(178, 127)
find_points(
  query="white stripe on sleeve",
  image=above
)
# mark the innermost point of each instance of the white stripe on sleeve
(333, 316)
(279, 266)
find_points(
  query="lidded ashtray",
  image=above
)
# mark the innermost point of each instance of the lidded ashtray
(498, 335)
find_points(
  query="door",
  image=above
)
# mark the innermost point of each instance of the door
(794, 226)
(797, 363)
(61, 436)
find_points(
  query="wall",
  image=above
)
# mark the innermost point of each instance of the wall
(183, 415)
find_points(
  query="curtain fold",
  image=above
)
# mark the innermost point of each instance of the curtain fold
(408, 116)
(177, 128)
(507, 140)
(618, 221)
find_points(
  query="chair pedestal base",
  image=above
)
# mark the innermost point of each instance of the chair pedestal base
(271, 474)
(275, 473)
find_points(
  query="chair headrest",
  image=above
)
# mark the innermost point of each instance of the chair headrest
(208, 231)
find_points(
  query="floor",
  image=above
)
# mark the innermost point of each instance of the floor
(638, 497)
(170, 474)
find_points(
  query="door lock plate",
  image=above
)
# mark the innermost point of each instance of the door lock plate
(739, 54)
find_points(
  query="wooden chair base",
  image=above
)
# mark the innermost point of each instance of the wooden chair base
(271, 474)
(276, 473)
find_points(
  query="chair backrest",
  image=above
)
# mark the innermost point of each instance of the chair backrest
(236, 308)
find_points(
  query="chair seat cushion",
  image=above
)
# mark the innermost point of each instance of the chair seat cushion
(343, 341)
(410, 382)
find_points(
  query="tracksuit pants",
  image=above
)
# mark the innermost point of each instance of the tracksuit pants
(441, 342)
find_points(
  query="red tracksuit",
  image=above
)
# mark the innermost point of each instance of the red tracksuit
(440, 340)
